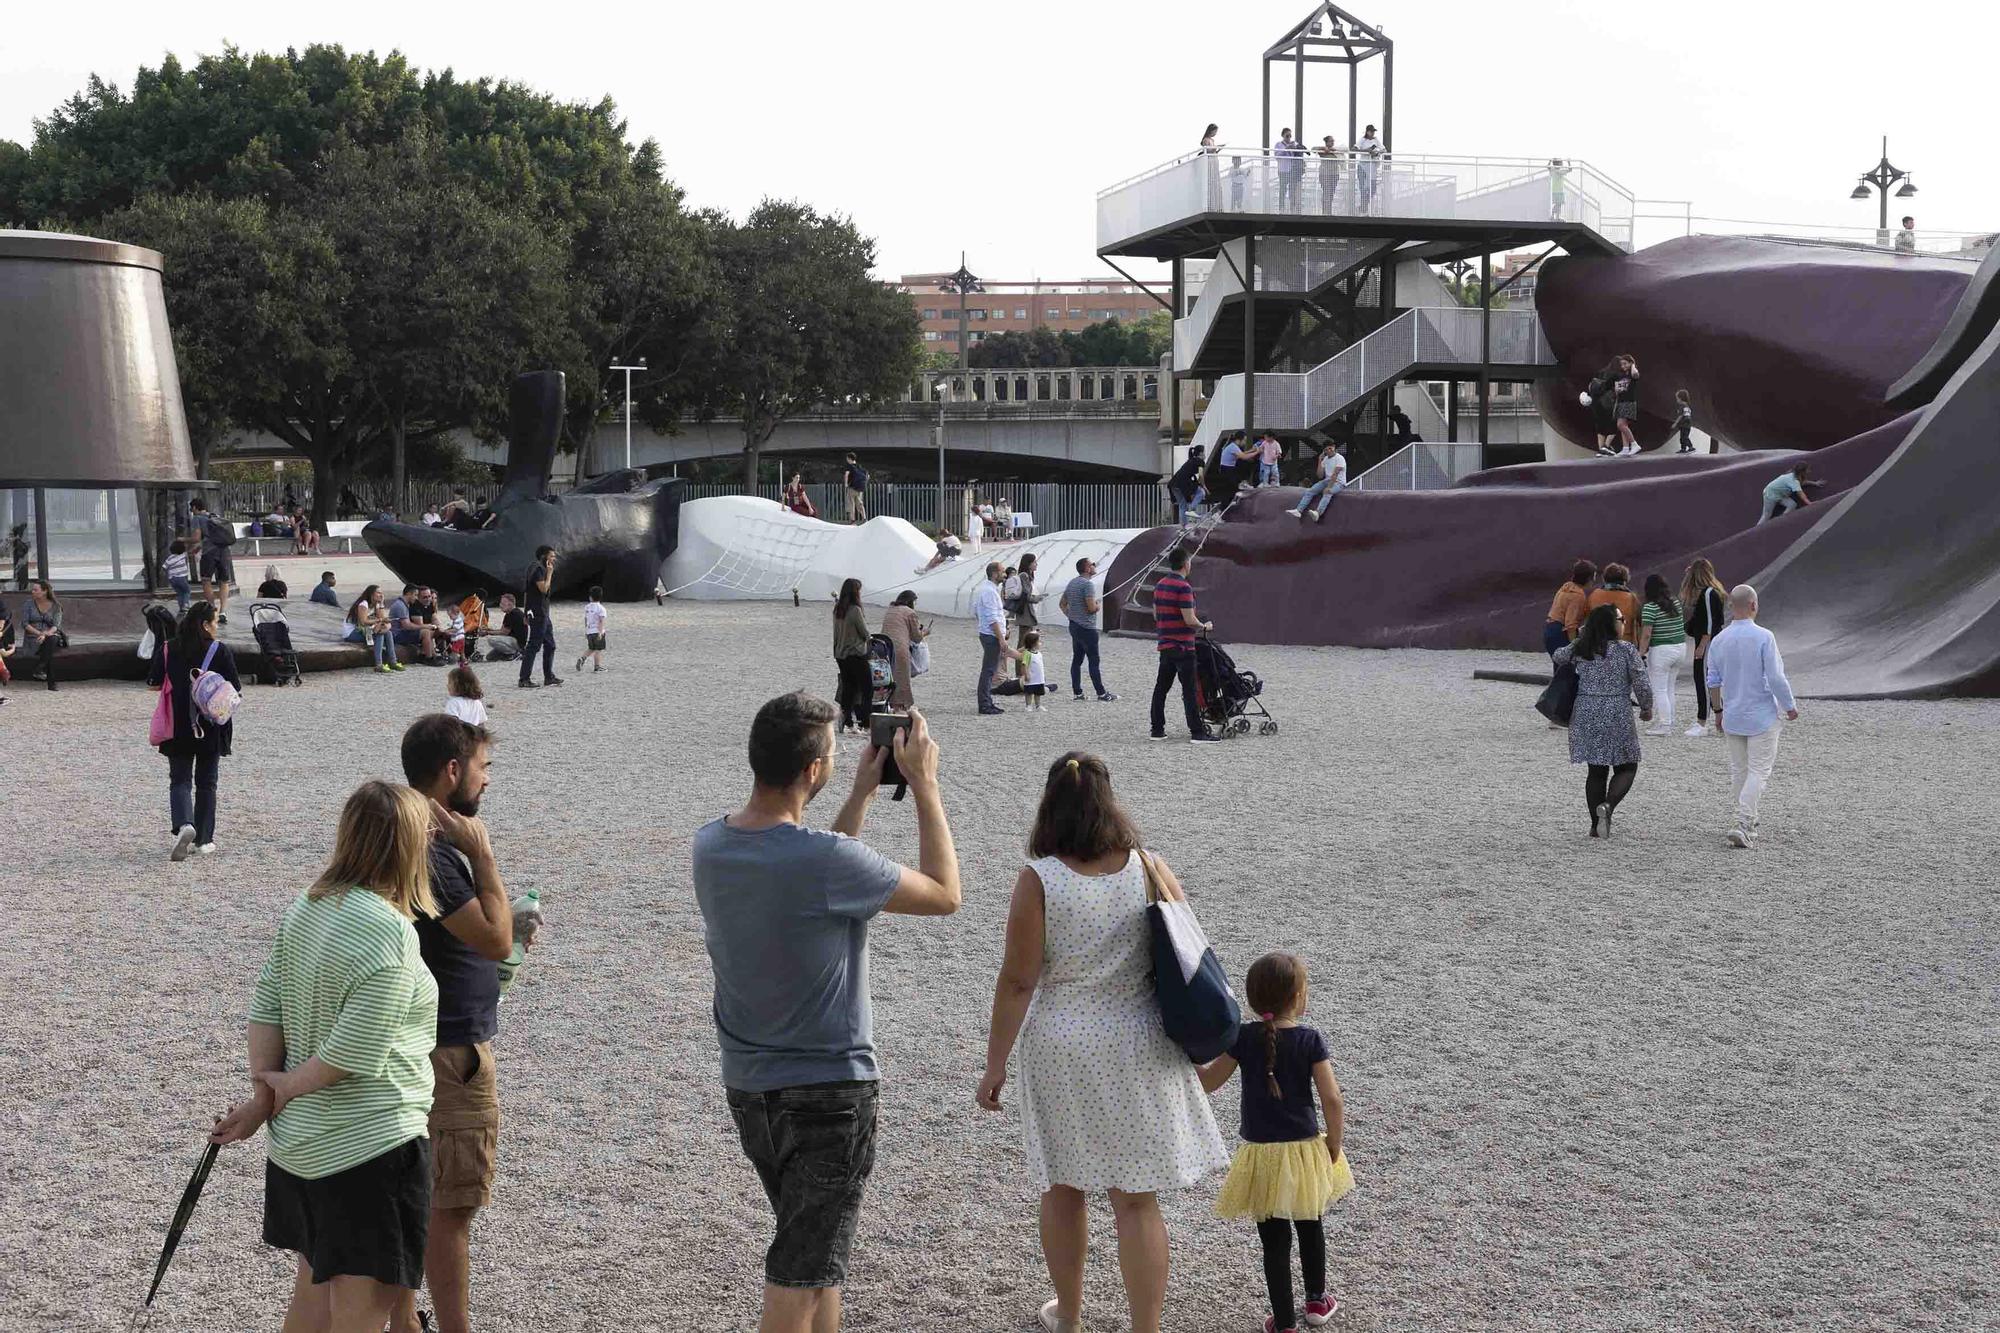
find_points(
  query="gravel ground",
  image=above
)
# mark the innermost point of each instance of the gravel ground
(1650, 1084)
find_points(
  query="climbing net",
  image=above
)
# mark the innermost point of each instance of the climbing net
(766, 557)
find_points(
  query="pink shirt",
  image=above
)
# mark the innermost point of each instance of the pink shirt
(1272, 450)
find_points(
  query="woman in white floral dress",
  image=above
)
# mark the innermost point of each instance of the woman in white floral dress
(1108, 1102)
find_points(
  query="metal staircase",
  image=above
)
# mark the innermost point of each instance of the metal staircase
(1139, 588)
(1290, 271)
(1424, 337)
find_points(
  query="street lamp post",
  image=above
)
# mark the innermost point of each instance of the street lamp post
(628, 407)
(1881, 176)
(961, 282)
(943, 387)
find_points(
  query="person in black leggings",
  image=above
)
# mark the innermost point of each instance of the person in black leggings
(1707, 610)
(856, 696)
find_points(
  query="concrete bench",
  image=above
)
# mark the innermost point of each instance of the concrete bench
(255, 545)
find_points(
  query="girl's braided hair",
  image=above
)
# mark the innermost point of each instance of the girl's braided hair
(1274, 985)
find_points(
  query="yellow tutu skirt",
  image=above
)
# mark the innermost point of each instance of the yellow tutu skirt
(1293, 1180)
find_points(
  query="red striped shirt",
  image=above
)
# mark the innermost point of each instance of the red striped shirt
(1172, 596)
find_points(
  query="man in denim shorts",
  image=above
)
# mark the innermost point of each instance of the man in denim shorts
(785, 912)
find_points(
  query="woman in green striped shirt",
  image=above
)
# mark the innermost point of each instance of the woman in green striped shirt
(1663, 645)
(341, 1030)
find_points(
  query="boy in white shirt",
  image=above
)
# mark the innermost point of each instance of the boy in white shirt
(593, 631)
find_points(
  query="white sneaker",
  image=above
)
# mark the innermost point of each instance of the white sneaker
(1696, 730)
(1051, 1324)
(1738, 837)
(206, 849)
(1658, 731)
(182, 842)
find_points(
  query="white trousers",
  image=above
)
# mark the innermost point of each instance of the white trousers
(1750, 761)
(1663, 670)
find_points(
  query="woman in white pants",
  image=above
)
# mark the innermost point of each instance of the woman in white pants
(1663, 644)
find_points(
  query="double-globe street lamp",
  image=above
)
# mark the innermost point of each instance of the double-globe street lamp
(1881, 176)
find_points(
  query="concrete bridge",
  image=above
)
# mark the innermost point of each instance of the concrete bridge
(1090, 423)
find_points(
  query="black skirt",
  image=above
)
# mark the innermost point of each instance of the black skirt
(367, 1221)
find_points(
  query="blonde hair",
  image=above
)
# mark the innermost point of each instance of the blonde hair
(383, 846)
(1699, 578)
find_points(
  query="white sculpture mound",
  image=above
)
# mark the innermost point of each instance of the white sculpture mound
(741, 548)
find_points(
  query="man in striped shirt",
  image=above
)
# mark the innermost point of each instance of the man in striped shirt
(1175, 619)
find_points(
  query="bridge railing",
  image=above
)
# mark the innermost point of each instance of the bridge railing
(1055, 505)
(1028, 387)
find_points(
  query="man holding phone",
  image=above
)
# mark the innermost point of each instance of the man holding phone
(785, 912)
(535, 602)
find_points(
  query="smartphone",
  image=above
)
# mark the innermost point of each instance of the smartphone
(882, 729)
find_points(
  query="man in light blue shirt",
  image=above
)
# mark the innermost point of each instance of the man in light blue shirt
(1746, 674)
(986, 610)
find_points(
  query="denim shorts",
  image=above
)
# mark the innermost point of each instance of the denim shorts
(813, 1148)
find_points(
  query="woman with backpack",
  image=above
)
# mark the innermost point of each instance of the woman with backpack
(194, 742)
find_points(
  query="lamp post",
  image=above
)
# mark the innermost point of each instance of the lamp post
(628, 407)
(961, 282)
(1881, 176)
(943, 390)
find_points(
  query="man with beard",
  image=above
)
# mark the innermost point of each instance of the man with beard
(463, 945)
(785, 912)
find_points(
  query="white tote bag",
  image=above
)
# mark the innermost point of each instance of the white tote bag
(920, 658)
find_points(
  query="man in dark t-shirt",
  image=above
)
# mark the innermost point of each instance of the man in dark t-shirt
(1175, 621)
(535, 602)
(463, 943)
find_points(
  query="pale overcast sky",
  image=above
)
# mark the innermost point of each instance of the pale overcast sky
(991, 128)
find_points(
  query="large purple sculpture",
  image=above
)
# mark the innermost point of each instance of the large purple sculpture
(1888, 585)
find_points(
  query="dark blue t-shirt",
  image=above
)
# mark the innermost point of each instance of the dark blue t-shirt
(468, 984)
(1268, 1119)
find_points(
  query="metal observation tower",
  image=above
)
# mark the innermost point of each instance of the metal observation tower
(1322, 298)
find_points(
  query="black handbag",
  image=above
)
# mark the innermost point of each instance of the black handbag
(1197, 1008)
(1558, 701)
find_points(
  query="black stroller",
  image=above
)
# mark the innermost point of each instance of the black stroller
(881, 671)
(1229, 698)
(160, 620)
(274, 644)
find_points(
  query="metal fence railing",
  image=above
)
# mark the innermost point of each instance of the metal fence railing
(1426, 465)
(1400, 185)
(246, 500)
(1055, 506)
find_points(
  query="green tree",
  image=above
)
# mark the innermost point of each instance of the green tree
(806, 323)
(1022, 349)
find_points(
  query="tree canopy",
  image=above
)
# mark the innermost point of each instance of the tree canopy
(1110, 342)
(360, 255)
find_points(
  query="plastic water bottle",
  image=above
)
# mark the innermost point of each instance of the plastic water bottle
(527, 920)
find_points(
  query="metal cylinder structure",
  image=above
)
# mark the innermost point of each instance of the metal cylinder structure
(89, 394)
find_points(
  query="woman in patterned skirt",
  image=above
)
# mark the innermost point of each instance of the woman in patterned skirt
(1108, 1102)
(1602, 734)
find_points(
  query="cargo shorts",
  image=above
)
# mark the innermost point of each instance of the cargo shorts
(465, 1125)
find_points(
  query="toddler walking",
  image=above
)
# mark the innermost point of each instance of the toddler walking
(1286, 1172)
(1034, 685)
(177, 574)
(593, 631)
(464, 697)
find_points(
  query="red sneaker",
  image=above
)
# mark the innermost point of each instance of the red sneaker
(1271, 1325)
(1319, 1309)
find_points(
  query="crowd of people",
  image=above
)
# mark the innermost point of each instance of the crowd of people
(1623, 649)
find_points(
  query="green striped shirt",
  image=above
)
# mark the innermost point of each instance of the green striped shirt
(346, 981)
(1666, 625)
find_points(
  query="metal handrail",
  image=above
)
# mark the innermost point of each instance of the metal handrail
(1346, 155)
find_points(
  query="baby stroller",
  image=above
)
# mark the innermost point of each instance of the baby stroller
(160, 623)
(1229, 698)
(274, 643)
(881, 671)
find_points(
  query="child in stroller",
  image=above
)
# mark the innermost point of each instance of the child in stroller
(1230, 698)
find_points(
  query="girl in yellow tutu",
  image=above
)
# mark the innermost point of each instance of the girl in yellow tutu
(1287, 1171)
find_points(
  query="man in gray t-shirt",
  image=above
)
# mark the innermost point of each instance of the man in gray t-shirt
(785, 912)
(1079, 603)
